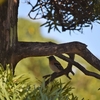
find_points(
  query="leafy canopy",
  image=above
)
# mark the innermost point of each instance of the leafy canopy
(68, 14)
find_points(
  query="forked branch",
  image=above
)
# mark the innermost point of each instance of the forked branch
(35, 49)
(67, 70)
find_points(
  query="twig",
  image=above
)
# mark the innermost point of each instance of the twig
(80, 67)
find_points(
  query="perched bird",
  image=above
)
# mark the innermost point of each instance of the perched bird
(54, 64)
(57, 67)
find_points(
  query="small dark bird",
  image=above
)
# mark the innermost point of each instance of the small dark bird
(54, 64)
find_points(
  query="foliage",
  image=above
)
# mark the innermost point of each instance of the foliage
(68, 14)
(12, 88)
(55, 91)
(18, 88)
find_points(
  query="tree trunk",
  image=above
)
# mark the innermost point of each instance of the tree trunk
(8, 31)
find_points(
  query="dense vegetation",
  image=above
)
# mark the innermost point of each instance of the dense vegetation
(20, 88)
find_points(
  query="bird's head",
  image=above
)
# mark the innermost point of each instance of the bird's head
(51, 58)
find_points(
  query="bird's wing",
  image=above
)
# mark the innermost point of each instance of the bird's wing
(58, 65)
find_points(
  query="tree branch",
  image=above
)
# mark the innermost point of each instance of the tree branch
(48, 48)
(66, 70)
(29, 49)
(69, 66)
(80, 67)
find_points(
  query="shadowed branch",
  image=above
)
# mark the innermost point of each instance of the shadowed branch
(35, 49)
(51, 77)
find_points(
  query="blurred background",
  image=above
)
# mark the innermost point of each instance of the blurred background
(36, 67)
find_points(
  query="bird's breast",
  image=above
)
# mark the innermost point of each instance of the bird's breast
(54, 68)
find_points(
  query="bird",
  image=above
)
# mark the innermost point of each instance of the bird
(57, 67)
(54, 64)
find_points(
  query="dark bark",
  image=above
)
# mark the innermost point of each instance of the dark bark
(29, 49)
(49, 78)
(4, 33)
(35, 49)
(8, 31)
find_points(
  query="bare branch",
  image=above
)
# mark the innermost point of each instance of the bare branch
(29, 49)
(80, 67)
(69, 66)
(47, 48)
